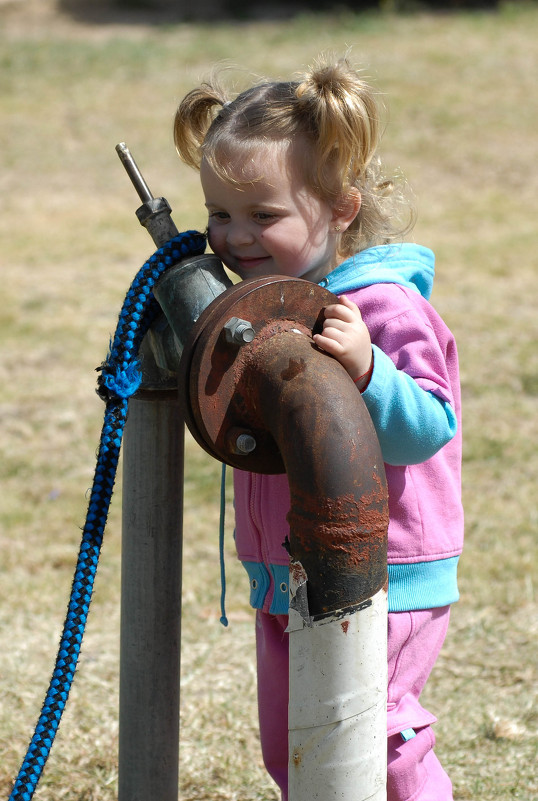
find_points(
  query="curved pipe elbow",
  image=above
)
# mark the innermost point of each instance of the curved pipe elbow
(305, 416)
(339, 511)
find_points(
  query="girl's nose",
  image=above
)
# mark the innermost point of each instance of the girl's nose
(239, 233)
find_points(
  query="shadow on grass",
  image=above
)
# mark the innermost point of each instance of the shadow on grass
(162, 12)
(158, 12)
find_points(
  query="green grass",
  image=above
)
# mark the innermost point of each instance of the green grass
(461, 125)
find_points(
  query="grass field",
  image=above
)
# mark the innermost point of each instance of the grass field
(461, 124)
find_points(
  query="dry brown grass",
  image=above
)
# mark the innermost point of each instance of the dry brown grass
(462, 126)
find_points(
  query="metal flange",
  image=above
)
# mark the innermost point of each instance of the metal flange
(215, 369)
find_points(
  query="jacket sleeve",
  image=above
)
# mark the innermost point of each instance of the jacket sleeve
(412, 423)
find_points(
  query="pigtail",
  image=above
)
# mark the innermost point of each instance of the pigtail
(346, 129)
(194, 116)
(344, 116)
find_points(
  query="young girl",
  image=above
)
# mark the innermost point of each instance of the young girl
(293, 187)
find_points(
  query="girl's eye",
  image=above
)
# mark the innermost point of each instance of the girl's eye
(263, 217)
(218, 215)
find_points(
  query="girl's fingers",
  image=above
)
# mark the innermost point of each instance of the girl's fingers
(337, 338)
(328, 344)
(335, 323)
(347, 311)
(349, 304)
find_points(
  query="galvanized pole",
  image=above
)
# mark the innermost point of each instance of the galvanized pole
(151, 599)
(153, 460)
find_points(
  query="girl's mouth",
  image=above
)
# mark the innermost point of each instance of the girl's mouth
(251, 263)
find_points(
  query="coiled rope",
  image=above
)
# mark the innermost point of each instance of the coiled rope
(120, 377)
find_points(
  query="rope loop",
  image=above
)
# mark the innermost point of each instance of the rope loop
(117, 382)
(120, 378)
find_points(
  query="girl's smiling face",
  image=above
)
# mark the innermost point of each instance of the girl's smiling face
(270, 223)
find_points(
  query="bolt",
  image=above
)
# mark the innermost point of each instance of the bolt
(238, 332)
(240, 441)
(245, 443)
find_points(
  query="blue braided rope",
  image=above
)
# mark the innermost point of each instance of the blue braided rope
(120, 377)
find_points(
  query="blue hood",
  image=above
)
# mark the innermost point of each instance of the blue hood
(412, 266)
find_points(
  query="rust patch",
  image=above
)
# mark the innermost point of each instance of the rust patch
(345, 625)
(297, 572)
(337, 524)
(378, 493)
(297, 757)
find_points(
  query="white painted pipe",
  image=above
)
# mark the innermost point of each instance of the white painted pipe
(338, 700)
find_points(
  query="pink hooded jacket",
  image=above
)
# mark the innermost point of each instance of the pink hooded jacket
(414, 401)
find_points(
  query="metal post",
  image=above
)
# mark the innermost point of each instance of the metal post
(153, 460)
(151, 598)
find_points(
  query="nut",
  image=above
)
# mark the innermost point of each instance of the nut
(238, 332)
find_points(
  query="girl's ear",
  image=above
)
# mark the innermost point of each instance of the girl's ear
(346, 209)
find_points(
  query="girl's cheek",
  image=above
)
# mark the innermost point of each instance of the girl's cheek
(213, 240)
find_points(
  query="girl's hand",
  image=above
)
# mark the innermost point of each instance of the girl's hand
(346, 337)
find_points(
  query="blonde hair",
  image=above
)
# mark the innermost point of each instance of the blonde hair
(334, 110)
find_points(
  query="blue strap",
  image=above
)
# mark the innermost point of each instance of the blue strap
(223, 618)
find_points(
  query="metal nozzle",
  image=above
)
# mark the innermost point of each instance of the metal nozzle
(154, 213)
(133, 172)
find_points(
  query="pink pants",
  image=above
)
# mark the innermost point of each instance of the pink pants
(414, 641)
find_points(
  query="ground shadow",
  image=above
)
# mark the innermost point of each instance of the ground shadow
(158, 12)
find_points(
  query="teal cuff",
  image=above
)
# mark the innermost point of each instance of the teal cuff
(423, 585)
(260, 583)
(419, 585)
(281, 595)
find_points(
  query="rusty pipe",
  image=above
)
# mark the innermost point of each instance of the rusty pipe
(338, 516)
(307, 419)
(338, 571)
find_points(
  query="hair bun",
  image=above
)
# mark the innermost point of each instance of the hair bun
(328, 78)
